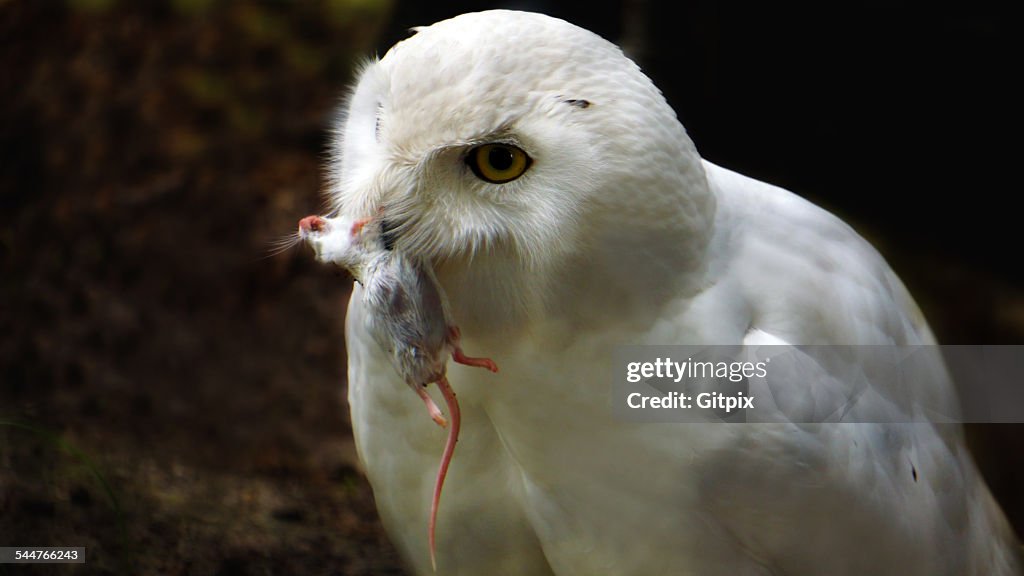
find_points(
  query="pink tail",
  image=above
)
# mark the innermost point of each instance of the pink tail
(446, 459)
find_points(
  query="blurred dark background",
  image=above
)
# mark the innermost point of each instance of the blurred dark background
(171, 396)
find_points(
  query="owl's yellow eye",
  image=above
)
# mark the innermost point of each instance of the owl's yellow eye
(498, 163)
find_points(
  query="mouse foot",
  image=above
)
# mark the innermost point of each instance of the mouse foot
(454, 335)
(459, 356)
(432, 409)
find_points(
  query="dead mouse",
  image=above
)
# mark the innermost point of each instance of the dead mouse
(408, 317)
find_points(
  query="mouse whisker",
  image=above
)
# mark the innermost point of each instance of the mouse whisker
(282, 244)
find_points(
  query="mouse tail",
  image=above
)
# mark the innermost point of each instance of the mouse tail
(446, 458)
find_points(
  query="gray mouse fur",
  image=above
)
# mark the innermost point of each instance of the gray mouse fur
(408, 316)
(408, 312)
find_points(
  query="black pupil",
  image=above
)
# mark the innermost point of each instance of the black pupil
(499, 158)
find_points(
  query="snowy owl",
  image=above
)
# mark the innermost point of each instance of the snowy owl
(566, 212)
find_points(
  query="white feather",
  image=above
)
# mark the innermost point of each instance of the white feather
(619, 233)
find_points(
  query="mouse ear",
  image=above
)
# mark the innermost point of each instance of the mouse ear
(357, 226)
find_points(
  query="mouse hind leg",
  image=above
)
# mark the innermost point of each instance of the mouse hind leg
(454, 335)
(432, 409)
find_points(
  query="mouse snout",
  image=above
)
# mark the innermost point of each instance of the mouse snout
(312, 224)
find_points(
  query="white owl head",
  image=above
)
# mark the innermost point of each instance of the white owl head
(507, 146)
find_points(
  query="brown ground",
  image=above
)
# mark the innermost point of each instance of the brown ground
(156, 153)
(149, 156)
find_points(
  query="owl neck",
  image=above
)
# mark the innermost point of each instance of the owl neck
(648, 249)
